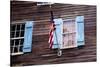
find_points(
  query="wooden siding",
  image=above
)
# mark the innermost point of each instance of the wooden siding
(41, 54)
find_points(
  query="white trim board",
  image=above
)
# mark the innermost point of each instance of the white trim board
(83, 2)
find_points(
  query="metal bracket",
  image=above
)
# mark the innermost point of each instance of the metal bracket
(59, 53)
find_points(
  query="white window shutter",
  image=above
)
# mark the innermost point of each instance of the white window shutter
(27, 45)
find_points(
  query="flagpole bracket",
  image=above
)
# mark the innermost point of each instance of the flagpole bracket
(59, 53)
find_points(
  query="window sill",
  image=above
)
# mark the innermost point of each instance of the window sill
(18, 53)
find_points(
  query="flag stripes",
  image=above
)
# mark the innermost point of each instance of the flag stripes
(51, 38)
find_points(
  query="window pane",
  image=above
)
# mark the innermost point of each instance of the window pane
(69, 40)
(21, 42)
(17, 33)
(12, 34)
(21, 48)
(15, 49)
(11, 49)
(69, 26)
(23, 27)
(17, 42)
(18, 27)
(12, 27)
(11, 42)
(22, 34)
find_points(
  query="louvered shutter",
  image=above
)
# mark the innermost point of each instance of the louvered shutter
(27, 46)
(57, 37)
(80, 30)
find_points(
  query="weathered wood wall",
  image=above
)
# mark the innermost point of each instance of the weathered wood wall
(41, 54)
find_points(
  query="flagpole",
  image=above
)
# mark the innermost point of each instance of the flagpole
(59, 53)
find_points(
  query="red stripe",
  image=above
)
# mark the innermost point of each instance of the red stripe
(51, 35)
(51, 39)
(52, 28)
(50, 32)
(51, 45)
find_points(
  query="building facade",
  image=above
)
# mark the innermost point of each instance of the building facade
(40, 52)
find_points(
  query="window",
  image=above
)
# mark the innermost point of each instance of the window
(69, 33)
(17, 38)
(21, 37)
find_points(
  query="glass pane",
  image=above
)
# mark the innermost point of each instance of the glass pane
(22, 34)
(69, 40)
(64, 27)
(15, 49)
(21, 49)
(12, 27)
(17, 33)
(18, 27)
(21, 42)
(12, 34)
(23, 27)
(11, 49)
(11, 42)
(17, 42)
(69, 26)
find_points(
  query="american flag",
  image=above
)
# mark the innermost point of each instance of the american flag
(51, 38)
(52, 29)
